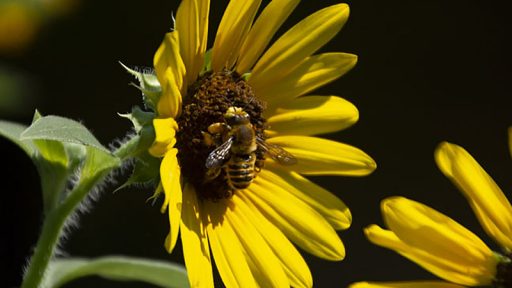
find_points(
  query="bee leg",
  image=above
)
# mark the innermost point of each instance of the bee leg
(208, 139)
(211, 174)
(258, 165)
(228, 193)
(218, 128)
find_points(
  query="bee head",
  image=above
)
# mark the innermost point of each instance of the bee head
(236, 116)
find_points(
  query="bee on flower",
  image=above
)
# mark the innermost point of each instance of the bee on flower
(235, 133)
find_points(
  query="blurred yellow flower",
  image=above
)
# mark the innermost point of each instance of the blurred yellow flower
(249, 229)
(19, 23)
(441, 245)
(20, 20)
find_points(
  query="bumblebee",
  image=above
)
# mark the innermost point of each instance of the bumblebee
(237, 153)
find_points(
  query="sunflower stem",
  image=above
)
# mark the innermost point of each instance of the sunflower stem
(52, 230)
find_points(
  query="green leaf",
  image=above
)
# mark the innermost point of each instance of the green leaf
(61, 129)
(53, 167)
(12, 132)
(36, 116)
(52, 151)
(120, 268)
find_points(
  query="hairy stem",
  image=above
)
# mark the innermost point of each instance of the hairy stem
(52, 230)
(94, 170)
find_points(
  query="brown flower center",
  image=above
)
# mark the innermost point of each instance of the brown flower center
(503, 277)
(206, 103)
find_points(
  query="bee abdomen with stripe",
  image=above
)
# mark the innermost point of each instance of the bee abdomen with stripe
(240, 170)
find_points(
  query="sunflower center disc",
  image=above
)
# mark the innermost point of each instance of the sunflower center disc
(206, 102)
(503, 277)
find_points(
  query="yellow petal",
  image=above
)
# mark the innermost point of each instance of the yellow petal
(267, 270)
(301, 41)
(488, 201)
(490, 226)
(405, 284)
(453, 272)
(292, 262)
(323, 201)
(170, 177)
(196, 251)
(169, 104)
(386, 238)
(165, 132)
(318, 156)
(270, 19)
(414, 223)
(192, 23)
(299, 222)
(226, 248)
(168, 57)
(312, 73)
(232, 31)
(312, 115)
(170, 72)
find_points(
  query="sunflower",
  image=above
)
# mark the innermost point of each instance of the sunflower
(440, 244)
(247, 227)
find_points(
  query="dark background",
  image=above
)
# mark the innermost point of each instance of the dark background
(428, 71)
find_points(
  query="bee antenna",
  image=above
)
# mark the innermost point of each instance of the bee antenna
(248, 103)
(230, 101)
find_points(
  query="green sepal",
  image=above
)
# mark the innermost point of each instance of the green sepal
(97, 163)
(207, 65)
(139, 117)
(118, 268)
(146, 170)
(148, 85)
(246, 76)
(143, 124)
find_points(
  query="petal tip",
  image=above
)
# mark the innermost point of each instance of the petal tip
(344, 7)
(371, 165)
(359, 285)
(169, 244)
(444, 156)
(339, 252)
(444, 146)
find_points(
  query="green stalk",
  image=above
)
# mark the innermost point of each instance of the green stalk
(94, 170)
(52, 230)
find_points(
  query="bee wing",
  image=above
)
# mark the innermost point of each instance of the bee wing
(219, 154)
(276, 152)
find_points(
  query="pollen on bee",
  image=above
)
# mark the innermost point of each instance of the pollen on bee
(206, 102)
